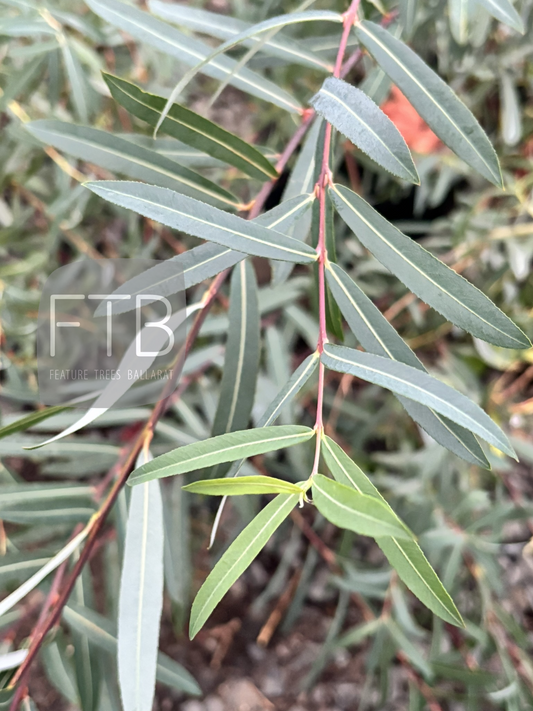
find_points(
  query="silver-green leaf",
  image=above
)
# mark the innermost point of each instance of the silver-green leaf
(376, 335)
(358, 118)
(418, 386)
(426, 276)
(141, 598)
(197, 218)
(125, 157)
(436, 103)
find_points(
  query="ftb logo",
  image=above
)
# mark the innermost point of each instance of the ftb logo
(107, 335)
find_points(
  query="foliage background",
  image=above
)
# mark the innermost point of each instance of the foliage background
(325, 651)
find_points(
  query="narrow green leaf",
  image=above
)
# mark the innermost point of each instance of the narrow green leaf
(407, 558)
(241, 362)
(376, 335)
(436, 103)
(79, 86)
(196, 218)
(238, 557)
(217, 450)
(418, 386)
(100, 631)
(358, 118)
(243, 485)
(25, 423)
(202, 262)
(345, 470)
(191, 128)
(427, 277)
(357, 512)
(141, 598)
(504, 11)
(226, 27)
(185, 49)
(121, 156)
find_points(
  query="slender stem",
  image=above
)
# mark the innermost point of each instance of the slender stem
(321, 249)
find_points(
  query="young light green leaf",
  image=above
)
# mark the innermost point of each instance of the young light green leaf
(436, 103)
(187, 50)
(418, 386)
(226, 27)
(202, 262)
(141, 598)
(295, 383)
(376, 335)
(407, 558)
(26, 423)
(121, 156)
(217, 450)
(504, 11)
(253, 31)
(358, 118)
(243, 485)
(100, 632)
(191, 128)
(357, 512)
(238, 557)
(241, 362)
(196, 218)
(431, 280)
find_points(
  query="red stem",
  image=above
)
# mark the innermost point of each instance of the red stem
(321, 249)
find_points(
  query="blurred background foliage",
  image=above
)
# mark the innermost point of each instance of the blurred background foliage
(318, 621)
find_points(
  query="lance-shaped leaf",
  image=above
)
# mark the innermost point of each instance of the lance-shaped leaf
(100, 632)
(226, 27)
(141, 598)
(187, 50)
(202, 262)
(294, 384)
(217, 450)
(241, 362)
(255, 30)
(409, 561)
(121, 156)
(426, 276)
(243, 485)
(196, 218)
(357, 512)
(191, 128)
(418, 386)
(376, 335)
(25, 423)
(406, 557)
(436, 103)
(358, 118)
(238, 557)
(504, 11)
